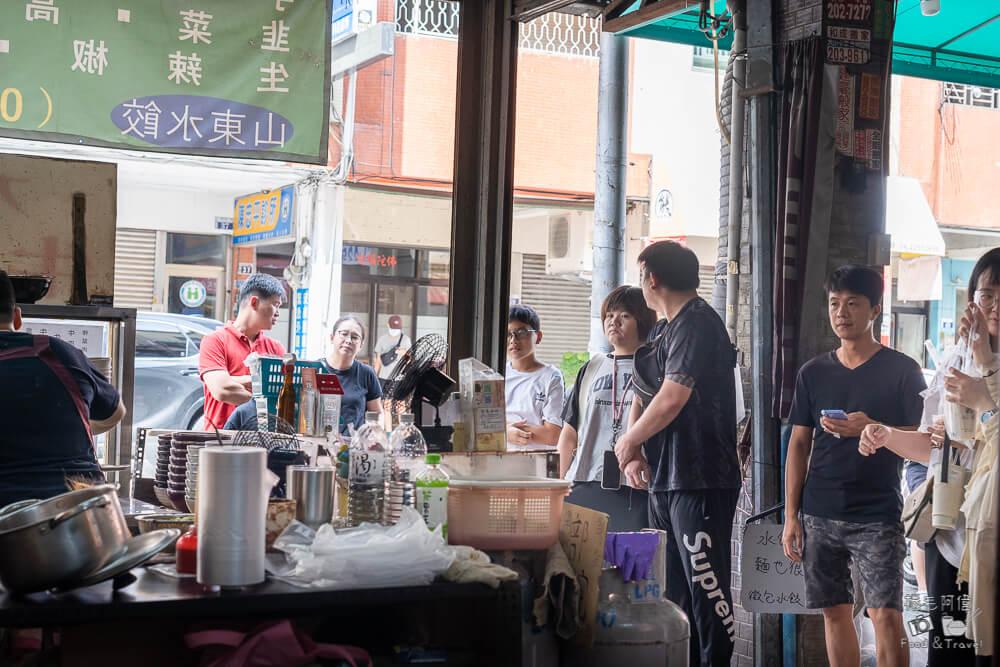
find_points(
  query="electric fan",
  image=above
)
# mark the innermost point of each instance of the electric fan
(418, 378)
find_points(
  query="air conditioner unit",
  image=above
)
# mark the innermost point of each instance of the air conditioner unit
(570, 247)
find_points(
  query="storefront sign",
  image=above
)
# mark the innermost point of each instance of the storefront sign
(224, 224)
(859, 11)
(234, 80)
(870, 102)
(193, 293)
(264, 217)
(844, 137)
(351, 17)
(849, 46)
(664, 208)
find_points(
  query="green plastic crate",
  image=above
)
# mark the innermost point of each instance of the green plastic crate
(272, 378)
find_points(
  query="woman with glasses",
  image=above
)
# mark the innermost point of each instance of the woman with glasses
(596, 413)
(961, 563)
(362, 390)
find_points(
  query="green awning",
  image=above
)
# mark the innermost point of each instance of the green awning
(960, 44)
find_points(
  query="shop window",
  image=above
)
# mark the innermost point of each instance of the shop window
(432, 311)
(198, 249)
(192, 295)
(362, 261)
(355, 300)
(435, 264)
(393, 300)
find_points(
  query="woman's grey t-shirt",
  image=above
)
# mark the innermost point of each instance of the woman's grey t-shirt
(594, 431)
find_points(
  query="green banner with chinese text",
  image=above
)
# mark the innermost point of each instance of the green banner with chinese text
(230, 78)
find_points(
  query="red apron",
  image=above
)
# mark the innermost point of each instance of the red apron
(42, 351)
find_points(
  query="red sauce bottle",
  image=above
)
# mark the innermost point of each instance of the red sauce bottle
(187, 551)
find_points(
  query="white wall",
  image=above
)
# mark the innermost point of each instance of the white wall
(673, 119)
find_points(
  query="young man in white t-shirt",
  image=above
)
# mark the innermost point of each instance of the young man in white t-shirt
(534, 391)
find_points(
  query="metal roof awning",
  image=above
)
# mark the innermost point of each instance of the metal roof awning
(909, 220)
(960, 44)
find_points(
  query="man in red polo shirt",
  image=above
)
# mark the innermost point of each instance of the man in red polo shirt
(225, 376)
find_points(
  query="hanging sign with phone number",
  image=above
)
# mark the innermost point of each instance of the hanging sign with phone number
(849, 10)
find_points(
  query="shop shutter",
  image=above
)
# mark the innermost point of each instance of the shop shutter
(135, 263)
(706, 279)
(563, 306)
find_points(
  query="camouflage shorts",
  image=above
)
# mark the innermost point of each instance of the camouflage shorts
(877, 551)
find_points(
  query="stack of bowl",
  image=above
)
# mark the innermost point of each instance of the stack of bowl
(177, 479)
(191, 480)
(162, 470)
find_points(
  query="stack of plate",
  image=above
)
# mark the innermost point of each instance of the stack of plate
(191, 479)
(162, 469)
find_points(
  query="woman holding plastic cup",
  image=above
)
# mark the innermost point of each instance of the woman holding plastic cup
(961, 615)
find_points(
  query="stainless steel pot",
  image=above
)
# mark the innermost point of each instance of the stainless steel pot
(50, 543)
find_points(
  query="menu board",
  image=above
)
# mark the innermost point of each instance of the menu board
(91, 337)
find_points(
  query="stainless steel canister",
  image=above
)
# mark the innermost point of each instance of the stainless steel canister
(312, 489)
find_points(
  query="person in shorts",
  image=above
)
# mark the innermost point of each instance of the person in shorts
(847, 510)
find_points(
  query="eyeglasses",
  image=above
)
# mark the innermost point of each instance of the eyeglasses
(520, 334)
(985, 300)
(348, 335)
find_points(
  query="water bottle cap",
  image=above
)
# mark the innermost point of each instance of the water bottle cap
(406, 418)
(433, 458)
(371, 416)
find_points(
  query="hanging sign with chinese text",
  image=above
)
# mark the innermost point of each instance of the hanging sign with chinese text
(265, 216)
(207, 77)
(772, 584)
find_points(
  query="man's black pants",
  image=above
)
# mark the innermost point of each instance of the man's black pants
(699, 526)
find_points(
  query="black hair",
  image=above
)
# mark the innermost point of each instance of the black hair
(7, 302)
(630, 299)
(675, 266)
(526, 314)
(862, 280)
(990, 261)
(263, 286)
(348, 318)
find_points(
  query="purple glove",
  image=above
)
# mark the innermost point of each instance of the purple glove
(632, 553)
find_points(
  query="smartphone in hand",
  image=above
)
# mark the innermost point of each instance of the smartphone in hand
(611, 477)
(834, 414)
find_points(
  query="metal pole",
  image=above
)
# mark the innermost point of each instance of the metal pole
(762, 152)
(609, 187)
(738, 124)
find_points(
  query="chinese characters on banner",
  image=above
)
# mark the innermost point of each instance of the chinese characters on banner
(854, 30)
(171, 75)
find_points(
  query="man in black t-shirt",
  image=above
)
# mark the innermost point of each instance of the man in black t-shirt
(850, 505)
(684, 446)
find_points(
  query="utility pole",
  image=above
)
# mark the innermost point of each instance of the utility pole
(609, 188)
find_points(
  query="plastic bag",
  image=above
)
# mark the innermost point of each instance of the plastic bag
(959, 421)
(369, 556)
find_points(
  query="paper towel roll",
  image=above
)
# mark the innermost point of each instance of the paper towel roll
(232, 508)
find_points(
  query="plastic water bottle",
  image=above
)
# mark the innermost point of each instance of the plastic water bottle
(408, 452)
(370, 463)
(432, 494)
